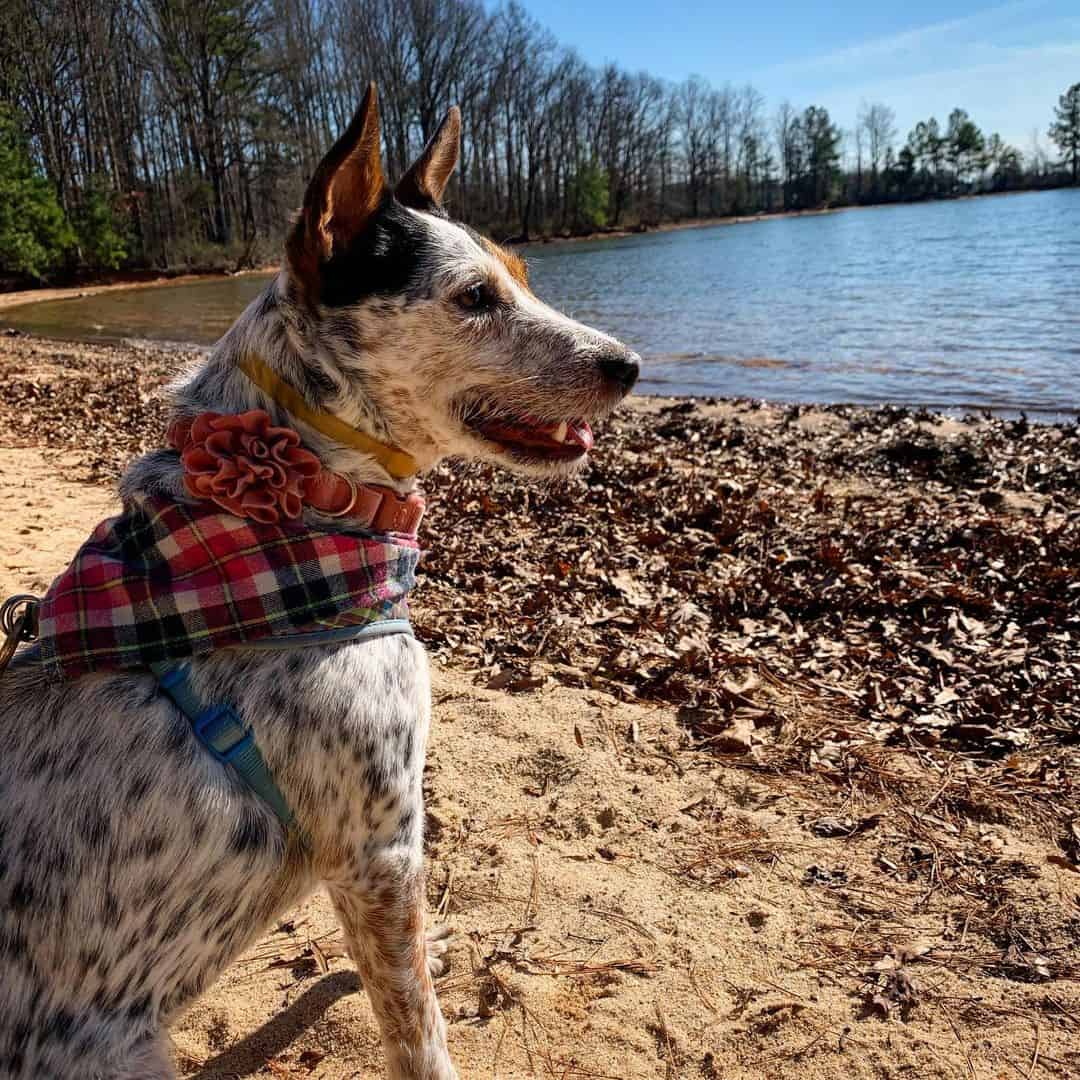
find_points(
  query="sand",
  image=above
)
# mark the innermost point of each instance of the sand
(626, 905)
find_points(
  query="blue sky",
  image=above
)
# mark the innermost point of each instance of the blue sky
(1006, 63)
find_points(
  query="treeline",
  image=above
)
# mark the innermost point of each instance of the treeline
(166, 133)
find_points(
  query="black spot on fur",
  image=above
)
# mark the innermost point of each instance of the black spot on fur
(110, 910)
(383, 260)
(22, 895)
(279, 703)
(139, 1007)
(153, 845)
(59, 1027)
(13, 945)
(316, 386)
(348, 334)
(41, 761)
(178, 921)
(211, 901)
(87, 959)
(93, 827)
(377, 781)
(176, 734)
(153, 888)
(249, 833)
(140, 787)
(406, 823)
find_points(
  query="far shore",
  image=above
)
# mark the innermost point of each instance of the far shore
(147, 279)
(120, 280)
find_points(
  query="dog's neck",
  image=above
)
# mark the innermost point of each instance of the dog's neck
(277, 331)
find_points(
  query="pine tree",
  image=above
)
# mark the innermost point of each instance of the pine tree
(1065, 130)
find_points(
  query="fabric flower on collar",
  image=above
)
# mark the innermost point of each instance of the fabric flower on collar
(246, 466)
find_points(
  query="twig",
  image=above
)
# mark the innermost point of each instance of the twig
(671, 1068)
(1035, 1055)
(956, 1032)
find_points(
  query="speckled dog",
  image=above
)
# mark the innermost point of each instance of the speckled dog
(134, 866)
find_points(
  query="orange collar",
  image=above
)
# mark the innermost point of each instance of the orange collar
(370, 506)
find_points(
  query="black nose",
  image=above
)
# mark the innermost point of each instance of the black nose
(621, 369)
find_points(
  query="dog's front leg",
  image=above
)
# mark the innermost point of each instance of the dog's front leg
(382, 914)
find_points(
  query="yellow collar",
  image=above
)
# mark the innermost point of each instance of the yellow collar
(396, 462)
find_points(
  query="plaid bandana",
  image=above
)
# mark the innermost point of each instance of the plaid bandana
(165, 581)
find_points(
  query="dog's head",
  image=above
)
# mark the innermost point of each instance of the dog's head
(435, 325)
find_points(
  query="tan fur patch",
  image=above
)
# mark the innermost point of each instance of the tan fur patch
(514, 263)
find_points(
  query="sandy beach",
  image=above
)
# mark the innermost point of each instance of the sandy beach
(755, 754)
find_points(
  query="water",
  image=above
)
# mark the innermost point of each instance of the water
(950, 305)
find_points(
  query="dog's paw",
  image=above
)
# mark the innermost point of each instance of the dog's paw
(438, 942)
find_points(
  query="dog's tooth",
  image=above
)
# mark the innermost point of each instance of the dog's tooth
(559, 434)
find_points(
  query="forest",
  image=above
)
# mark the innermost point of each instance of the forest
(179, 133)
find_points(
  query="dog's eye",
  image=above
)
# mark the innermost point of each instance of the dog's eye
(476, 297)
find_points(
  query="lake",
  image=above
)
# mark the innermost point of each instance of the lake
(954, 305)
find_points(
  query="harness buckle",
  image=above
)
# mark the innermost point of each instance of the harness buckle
(219, 729)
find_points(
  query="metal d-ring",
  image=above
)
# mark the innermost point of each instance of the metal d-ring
(354, 494)
(11, 616)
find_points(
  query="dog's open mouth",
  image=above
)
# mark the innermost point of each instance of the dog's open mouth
(539, 440)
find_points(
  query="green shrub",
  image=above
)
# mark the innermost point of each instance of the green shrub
(591, 196)
(100, 227)
(35, 235)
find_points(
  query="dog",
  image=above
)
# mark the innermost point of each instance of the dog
(134, 867)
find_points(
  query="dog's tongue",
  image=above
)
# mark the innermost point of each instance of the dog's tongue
(579, 431)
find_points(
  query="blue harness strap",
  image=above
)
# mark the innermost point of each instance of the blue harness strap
(219, 729)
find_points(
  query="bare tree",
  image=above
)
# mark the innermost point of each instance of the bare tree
(188, 126)
(875, 127)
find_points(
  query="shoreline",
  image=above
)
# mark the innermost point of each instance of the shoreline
(142, 279)
(757, 218)
(949, 415)
(20, 297)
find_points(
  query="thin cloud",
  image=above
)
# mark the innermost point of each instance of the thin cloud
(1006, 65)
(1009, 92)
(896, 46)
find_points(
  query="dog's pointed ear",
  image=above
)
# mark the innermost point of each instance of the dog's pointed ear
(423, 185)
(345, 191)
